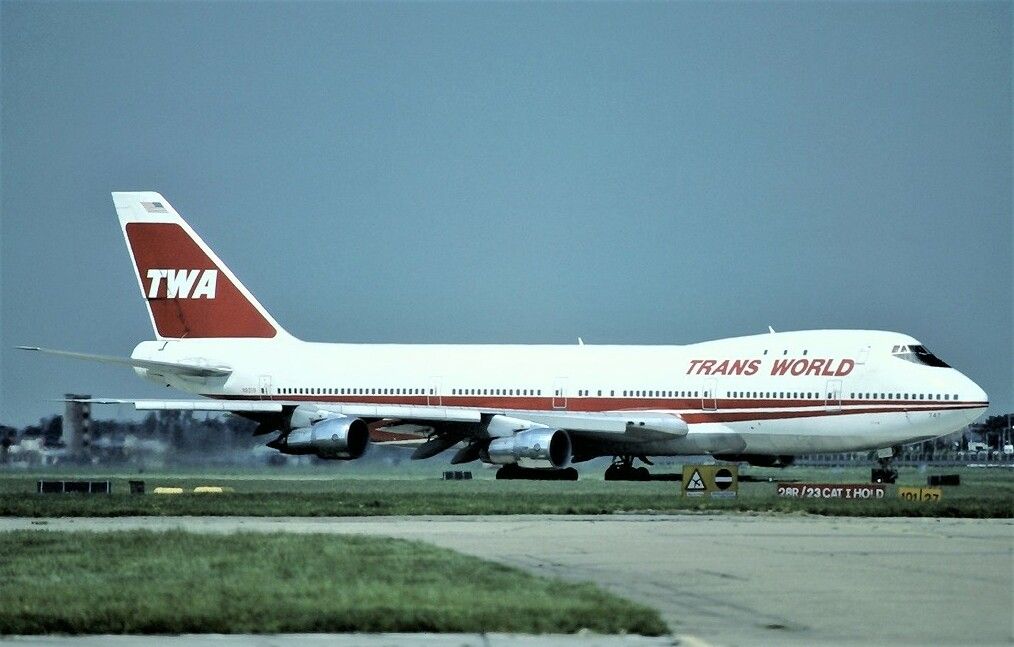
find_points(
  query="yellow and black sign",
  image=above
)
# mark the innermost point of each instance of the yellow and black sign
(716, 481)
(920, 493)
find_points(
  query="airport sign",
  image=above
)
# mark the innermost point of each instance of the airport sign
(715, 481)
(920, 493)
(855, 491)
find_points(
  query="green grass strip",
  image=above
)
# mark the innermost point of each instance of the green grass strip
(143, 582)
(320, 493)
(511, 501)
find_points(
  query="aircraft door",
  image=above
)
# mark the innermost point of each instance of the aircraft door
(433, 392)
(560, 393)
(265, 387)
(832, 401)
(864, 355)
(709, 398)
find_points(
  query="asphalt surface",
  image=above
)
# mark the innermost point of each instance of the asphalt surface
(724, 579)
(343, 640)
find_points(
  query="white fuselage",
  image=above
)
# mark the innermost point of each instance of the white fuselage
(777, 393)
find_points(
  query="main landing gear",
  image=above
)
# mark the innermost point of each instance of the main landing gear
(623, 469)
(885, 471)
(526, 473)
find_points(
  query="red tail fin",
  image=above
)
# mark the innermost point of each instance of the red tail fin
(189, 291)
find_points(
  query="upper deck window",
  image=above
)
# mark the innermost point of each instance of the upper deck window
(918, 355)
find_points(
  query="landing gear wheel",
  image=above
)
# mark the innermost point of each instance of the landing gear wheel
(885, 472)
(883, 475)
(513, 472)
(623, 469)
(507, 472)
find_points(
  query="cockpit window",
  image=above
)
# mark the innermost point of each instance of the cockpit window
(918, 355)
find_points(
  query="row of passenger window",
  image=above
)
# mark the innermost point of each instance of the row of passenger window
(498, 392)
(644, 394)
(612, 393)
(318, 390)
(796, 395)
(830, 395)
(904, 396)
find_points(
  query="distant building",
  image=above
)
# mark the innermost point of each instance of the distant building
(76, 433)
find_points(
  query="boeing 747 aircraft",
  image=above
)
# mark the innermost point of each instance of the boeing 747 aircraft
(532, 409)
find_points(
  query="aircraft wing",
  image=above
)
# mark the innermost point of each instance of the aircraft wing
(174, 368)
(227, 406)
(628, 425)
(644, 425)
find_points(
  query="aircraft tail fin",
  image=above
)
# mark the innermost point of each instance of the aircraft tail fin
(190, 293)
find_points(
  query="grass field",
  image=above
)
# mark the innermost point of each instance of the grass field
(174, 582)
(983, 493)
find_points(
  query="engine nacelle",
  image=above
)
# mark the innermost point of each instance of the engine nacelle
(541, 447)
(337, 437)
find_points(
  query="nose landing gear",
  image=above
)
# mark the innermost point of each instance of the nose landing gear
(885, 472)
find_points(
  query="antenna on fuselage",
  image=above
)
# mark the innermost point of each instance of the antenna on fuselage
(580, 342)
(771, 330)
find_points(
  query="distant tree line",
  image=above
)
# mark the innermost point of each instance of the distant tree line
(184, 431)
(187, 434)
(996, 429)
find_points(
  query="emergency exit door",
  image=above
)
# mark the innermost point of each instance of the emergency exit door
(832, 396)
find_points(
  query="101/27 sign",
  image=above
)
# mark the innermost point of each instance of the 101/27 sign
(920, 494)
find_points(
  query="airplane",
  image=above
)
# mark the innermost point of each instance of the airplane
(532, 410)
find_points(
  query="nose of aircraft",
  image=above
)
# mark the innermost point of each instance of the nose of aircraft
(975, 395)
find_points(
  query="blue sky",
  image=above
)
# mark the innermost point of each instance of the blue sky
(426, 172)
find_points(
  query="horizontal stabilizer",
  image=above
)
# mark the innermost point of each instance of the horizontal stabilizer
(175, 368)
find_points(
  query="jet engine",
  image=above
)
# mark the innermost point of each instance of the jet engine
(337, 437)
(540, 447)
